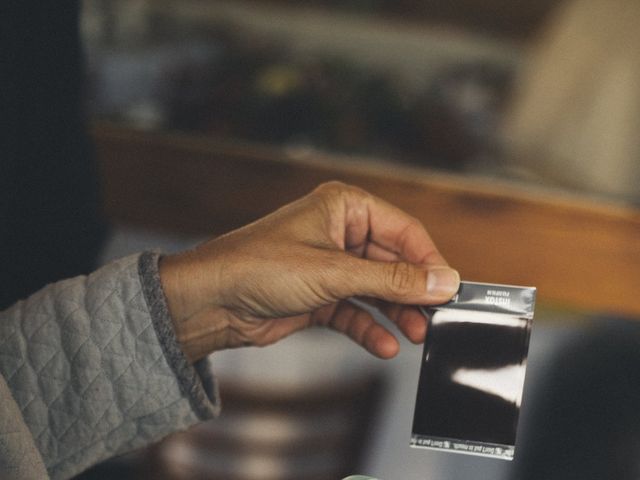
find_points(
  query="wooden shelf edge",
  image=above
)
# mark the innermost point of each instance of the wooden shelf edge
(579, 252)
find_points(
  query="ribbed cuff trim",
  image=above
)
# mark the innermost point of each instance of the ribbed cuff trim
(196, 381)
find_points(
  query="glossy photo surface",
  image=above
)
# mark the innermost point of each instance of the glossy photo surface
(473, 369)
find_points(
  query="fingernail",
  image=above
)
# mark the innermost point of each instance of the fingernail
(442, 282)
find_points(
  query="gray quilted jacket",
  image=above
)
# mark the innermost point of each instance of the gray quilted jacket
(90, 368)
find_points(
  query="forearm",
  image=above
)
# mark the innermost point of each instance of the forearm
(95, 367)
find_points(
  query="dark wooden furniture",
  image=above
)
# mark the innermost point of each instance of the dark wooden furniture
(581, 254)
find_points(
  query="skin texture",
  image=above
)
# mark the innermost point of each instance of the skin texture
(299, 266)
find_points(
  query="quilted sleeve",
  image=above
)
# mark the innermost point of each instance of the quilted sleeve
(95, 367)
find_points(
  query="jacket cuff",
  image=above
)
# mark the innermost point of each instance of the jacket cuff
(197, 382)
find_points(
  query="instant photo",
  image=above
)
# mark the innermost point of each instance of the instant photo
(472, 372)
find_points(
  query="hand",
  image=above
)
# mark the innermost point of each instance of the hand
(298, 267)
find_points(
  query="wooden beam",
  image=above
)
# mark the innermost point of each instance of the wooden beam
(579, 253)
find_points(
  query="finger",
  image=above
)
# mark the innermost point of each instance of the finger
(360, 326)
(397, 282)
(390, 228)
(408, 318)
(373, 251)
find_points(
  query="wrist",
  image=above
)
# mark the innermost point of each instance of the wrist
(189, 288)
(175, 283)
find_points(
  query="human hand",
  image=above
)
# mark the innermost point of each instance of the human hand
(297, 268)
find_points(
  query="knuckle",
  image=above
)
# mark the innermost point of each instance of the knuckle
(330, 188)
(402, 278)
(415, 224)
(338, 189)
(413, 227)
(334, 195)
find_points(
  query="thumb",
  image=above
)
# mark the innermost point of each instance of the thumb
(403, 282)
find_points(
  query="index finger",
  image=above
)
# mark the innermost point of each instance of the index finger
(393, 230)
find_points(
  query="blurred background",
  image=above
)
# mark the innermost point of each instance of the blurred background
(509, 126)
(545, 91)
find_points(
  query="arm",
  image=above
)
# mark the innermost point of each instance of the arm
(100, 365)
(95, 368)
